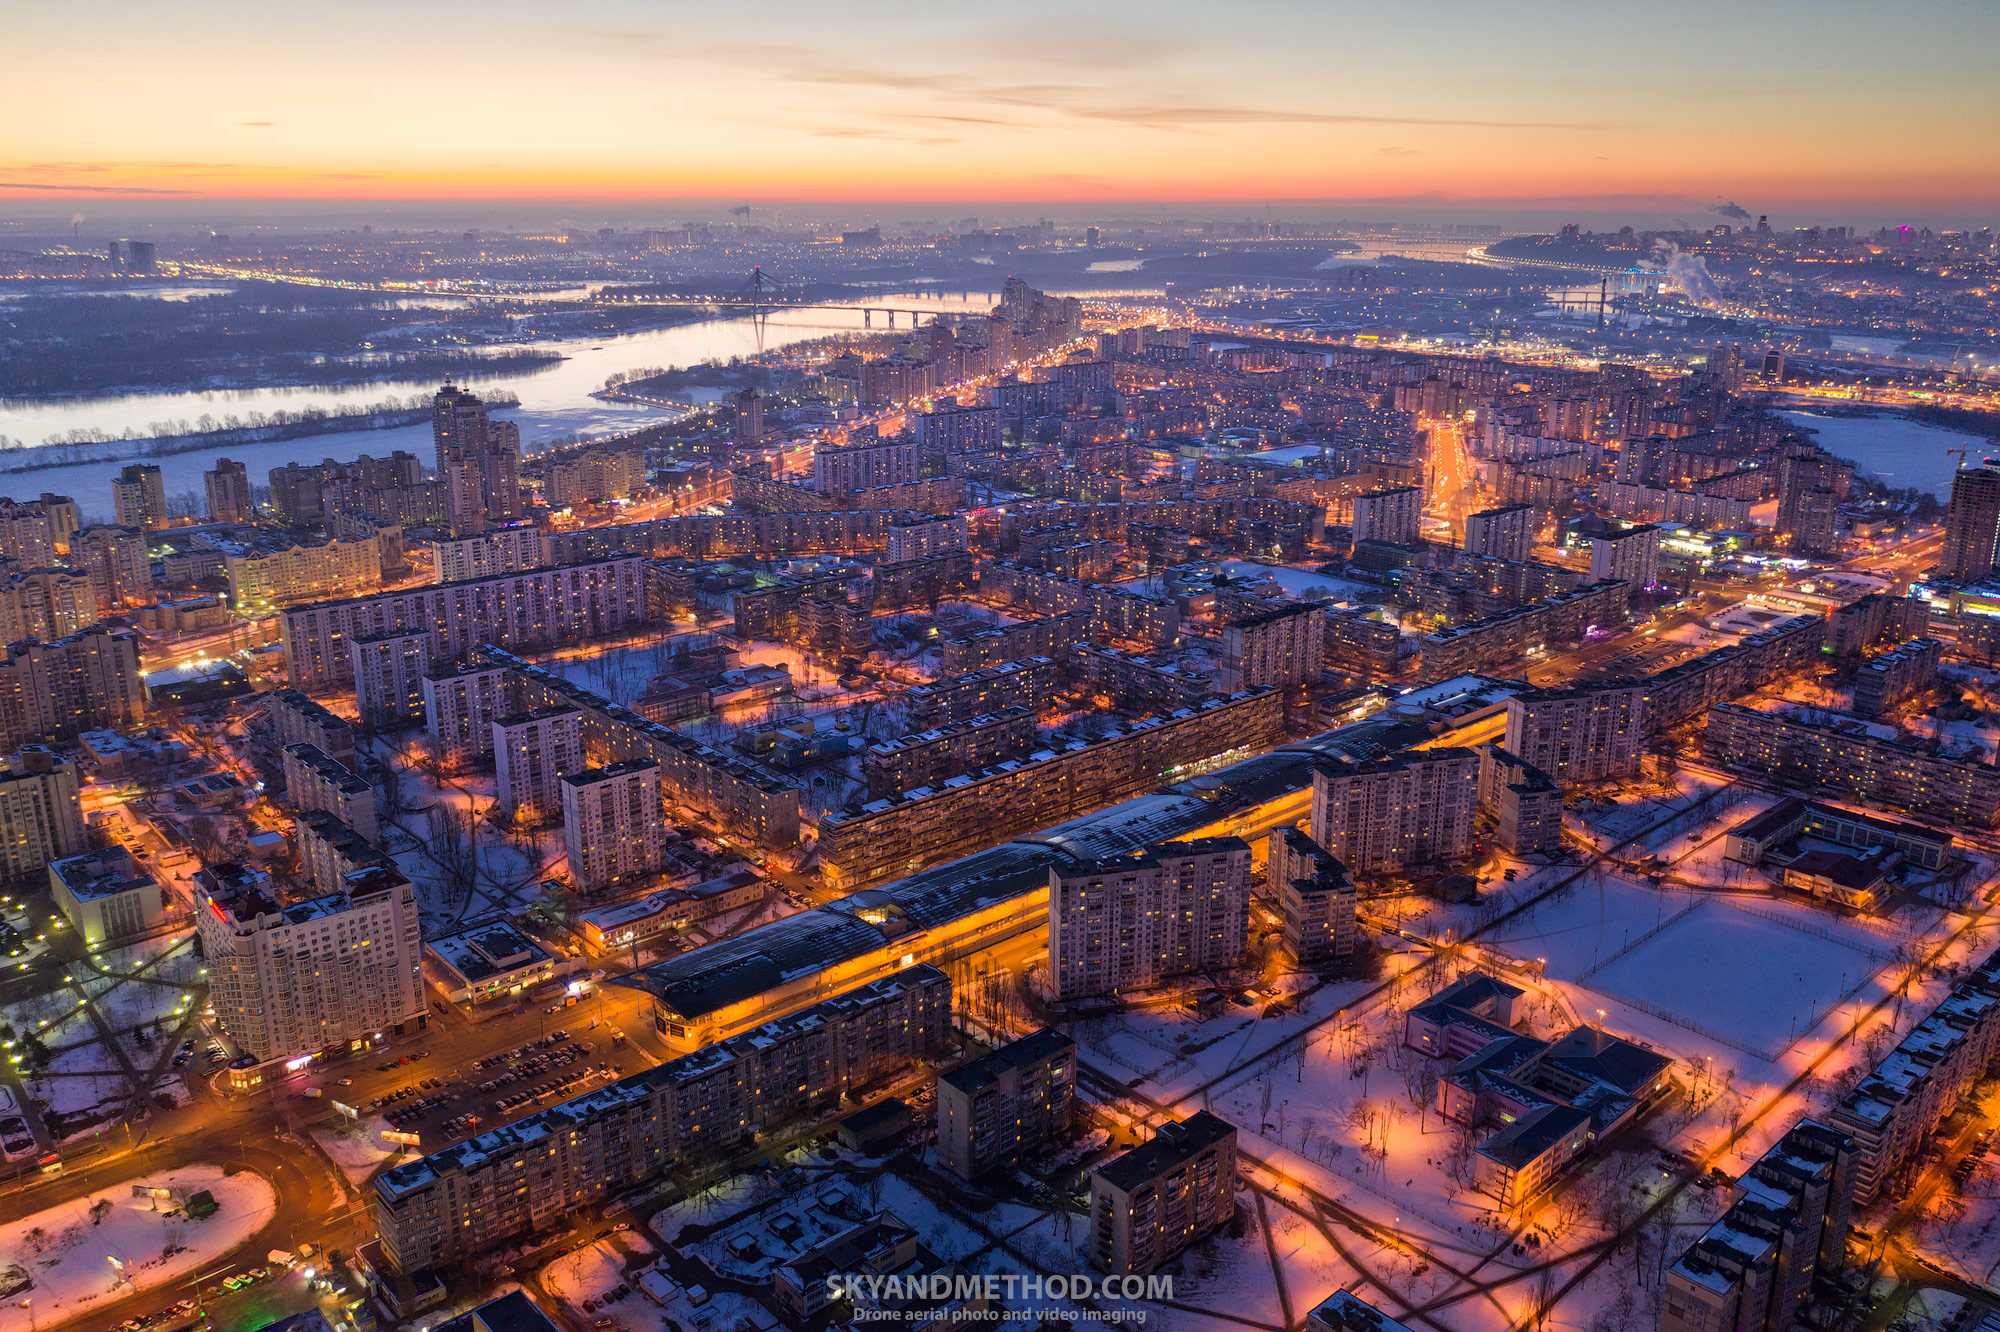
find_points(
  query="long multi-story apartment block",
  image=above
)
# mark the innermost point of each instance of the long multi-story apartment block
(944, 752)
(267, 571)
(1149, 1205)
(614, 827)
(1386, 816)
(532, 752)
(1893, 1111)
(1132, 921)
(1827, 753)
(329, 850)
(299, 720)
(1753, 1269)
(1859, 625)
(290, 979)
(1679, 693)
(1113, 612)
(514, 548)
(1888, 678)
(1282, 646)
(899, 833)
(1315, 894)
(1499, 641)
(528, 1176)
(84, 682)
(1005, 1104)
(1590, 733)
(1027, 683)
(41, 819)
(747, 801)
(865, 466)
(1144, 682)
(315, 781)
(534, 608)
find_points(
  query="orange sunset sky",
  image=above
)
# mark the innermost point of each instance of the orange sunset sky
(1877, 110)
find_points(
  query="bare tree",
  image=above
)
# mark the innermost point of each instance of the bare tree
(452, 847)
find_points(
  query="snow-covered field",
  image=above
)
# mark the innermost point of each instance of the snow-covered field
(1743, 977)
(68, 1248)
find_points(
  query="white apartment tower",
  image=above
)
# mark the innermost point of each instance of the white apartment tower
(1587, 734)
(1389, 515)
(290, 979)
(532, 751)
(1504, 534)
(40, 817)
(1410, 809)
(614, 827)
(1132, 921)
(1632, 554)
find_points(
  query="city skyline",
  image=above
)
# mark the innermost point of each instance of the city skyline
(1785, 109)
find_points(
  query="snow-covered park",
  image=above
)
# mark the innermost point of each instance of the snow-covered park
(100, 1248)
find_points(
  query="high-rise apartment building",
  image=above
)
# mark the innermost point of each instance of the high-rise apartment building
(1811, 485)
(289, 979)
(1386, 816)
(614, 826)
(461, 699)
(502, 550)
(748, 425)
(26, 535)
(139, 497)
(920, 536)
(388, 673)
(1283, 646)
(478, 461)
(1787, 1224)
(45, 603)
(1590, 733)
(1971, 525)
(1007, 1103)
(1393, 515)
(532, 751)
(228, 487)
(79, 683)
(40, 818)
(1149, 1205)
(1316, 894)
(1631, 556)
(1132, 921)
(1505, 534)
(118, 564)
(1524, 802)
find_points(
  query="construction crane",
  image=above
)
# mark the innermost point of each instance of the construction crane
(1961, 458)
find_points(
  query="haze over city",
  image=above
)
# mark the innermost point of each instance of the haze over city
(1873, 112)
